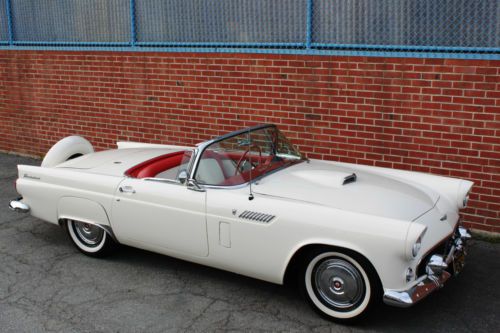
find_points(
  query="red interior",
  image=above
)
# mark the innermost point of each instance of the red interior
(154, 166)
(240, 178)
(244, 177)
(162, 163)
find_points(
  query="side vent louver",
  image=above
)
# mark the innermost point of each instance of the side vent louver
(349, 179)
(254, 216)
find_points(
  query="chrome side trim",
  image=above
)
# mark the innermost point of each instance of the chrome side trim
(162, 180)
(19, 206)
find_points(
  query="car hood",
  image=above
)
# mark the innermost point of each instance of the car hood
(322, 183)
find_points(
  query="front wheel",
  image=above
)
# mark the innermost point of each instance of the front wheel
(341, 286)
(89, 238)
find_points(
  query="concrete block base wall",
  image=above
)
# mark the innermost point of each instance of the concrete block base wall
(432, 115)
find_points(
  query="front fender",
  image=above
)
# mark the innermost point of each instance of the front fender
(323, 242)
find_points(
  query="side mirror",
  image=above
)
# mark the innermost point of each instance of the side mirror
(182, 177)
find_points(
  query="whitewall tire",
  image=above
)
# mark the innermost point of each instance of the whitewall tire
(89, 239)
(339, 285)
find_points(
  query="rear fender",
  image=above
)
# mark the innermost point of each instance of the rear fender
(84, 210)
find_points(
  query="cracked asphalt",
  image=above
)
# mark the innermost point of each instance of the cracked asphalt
(46, 285)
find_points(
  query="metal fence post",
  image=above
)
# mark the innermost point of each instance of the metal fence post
(309, 21)
(10, 26)
(133, 30)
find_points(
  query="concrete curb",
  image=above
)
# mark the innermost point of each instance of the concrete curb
(487, 236)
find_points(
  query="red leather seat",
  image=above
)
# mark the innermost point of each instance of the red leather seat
(159, 166)
(156, 165)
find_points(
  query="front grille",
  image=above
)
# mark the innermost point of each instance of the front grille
(441, 248)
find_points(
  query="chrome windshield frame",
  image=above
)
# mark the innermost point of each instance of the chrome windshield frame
(198, 152)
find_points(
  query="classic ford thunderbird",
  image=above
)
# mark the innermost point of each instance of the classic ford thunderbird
(249, 202)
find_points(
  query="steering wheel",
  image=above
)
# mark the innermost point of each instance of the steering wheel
(243, 158)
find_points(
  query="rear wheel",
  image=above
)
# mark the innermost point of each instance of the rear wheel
(341, 286)
(90, 239)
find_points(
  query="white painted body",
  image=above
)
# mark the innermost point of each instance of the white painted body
(377, 216)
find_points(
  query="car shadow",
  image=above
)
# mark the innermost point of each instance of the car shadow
(383, 317)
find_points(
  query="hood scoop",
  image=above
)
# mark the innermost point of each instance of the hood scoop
(324, 177)
(350, 179)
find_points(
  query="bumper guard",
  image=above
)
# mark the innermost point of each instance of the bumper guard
(437, 273)
(19, 206)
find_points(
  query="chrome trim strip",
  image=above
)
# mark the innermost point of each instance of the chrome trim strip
(163, 180)
(226, 187)
(19, 206)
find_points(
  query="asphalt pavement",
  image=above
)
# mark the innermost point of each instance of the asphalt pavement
(46, 285)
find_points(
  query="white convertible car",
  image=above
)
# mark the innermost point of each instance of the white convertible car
(250, 203)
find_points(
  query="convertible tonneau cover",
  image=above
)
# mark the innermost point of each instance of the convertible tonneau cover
(116, 161)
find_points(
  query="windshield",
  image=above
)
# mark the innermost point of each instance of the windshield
(238, 159)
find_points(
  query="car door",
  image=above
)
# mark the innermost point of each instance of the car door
(164, 216)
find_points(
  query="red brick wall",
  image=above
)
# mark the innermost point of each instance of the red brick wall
(431, 115)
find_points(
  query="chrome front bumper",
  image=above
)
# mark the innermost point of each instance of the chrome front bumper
(19, 206)
(438, 269)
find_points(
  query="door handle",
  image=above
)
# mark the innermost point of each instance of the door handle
(126, 189)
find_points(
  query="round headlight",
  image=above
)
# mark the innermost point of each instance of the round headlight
(416, 233)
(417, 246)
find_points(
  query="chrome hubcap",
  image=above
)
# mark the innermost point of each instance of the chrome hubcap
(89, 234)
(338, 283)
